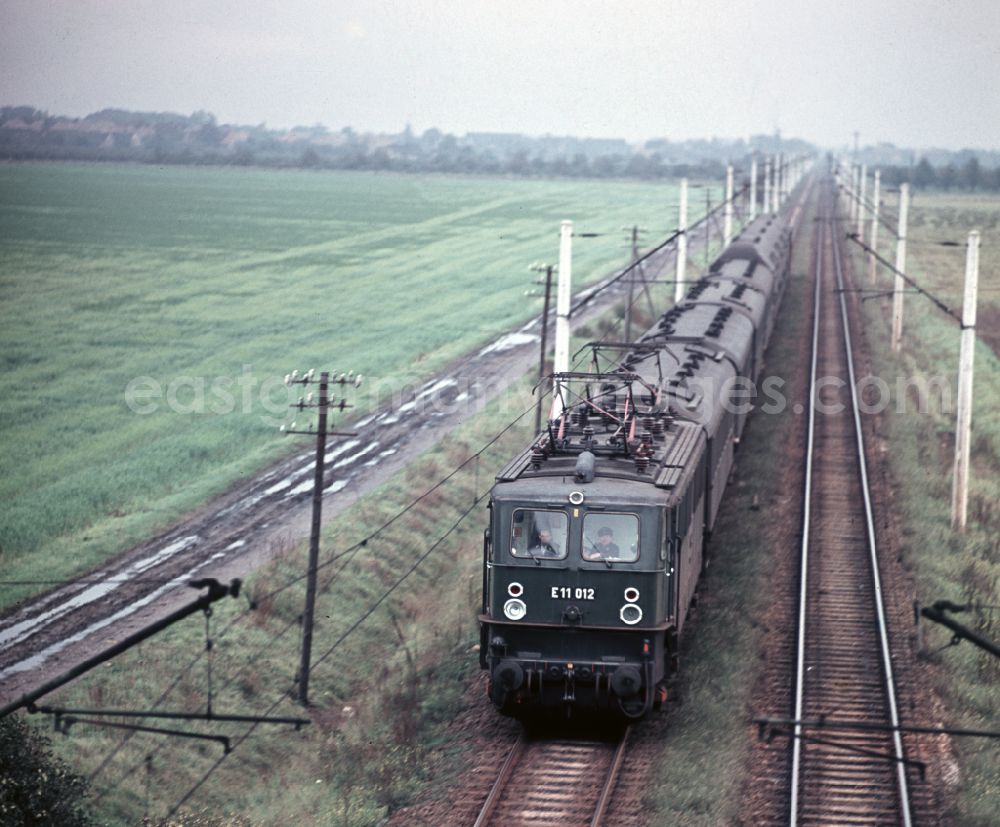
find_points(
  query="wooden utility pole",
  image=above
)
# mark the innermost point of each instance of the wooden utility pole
(682, 242)
(323, 404)
(898, 284)
(855, 201)
(631, 284)
(873, 241)
(963, 426)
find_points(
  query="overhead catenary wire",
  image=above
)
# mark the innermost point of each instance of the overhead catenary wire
(886, 218)
(638, 262)
(908, 279)
(614, 280)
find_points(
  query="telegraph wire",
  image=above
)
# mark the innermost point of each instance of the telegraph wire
(354, 626)
(348, 553)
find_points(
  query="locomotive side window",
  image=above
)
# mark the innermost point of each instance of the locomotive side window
(611, 537)
(539, 534)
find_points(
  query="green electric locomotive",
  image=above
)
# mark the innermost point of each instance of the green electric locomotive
(597, 530)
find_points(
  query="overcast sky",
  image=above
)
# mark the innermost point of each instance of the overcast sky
(917, 73)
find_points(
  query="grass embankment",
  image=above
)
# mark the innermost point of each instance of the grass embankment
(213, 283)
(962, 568)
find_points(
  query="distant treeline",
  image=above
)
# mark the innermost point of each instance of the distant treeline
(27, 133)
(166, 138)
(969, 175)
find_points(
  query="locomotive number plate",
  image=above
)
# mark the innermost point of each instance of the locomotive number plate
(566, 593)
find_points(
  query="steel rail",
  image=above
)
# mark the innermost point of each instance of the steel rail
(612, 779)
(890, 686)
(804, 549)
(502, 778)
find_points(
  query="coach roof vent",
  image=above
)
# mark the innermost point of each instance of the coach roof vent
(584, 470)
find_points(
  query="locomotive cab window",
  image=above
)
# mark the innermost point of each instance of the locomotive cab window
(537, 534)
(611, 537)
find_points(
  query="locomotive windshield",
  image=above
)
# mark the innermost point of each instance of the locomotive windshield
(611, 537)
(538, 534)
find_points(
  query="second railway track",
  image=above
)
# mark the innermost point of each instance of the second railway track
(844, 668)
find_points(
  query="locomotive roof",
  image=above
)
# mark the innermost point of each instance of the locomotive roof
(660, 456)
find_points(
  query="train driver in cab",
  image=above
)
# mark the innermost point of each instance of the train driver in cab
(546, 545)
(605, 548)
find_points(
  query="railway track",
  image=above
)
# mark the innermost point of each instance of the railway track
(844, 663)
(555, 782)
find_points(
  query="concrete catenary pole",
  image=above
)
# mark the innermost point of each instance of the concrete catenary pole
(548, 269)
(873, 240)
(960, 482)
(782, 180)
(898, 284)
(767, 186)
(561, 360)
(753, 189)
(861, 202)
(727, 213)
(682, 242)
(775, 186)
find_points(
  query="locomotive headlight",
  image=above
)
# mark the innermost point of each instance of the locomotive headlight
(515, 609)
(631, 595)
(515, 589)
(630, 614)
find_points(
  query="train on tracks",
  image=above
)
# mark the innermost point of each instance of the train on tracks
(597, 530)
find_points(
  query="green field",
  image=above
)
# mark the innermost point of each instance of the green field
(207, 285)
(946, 565)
